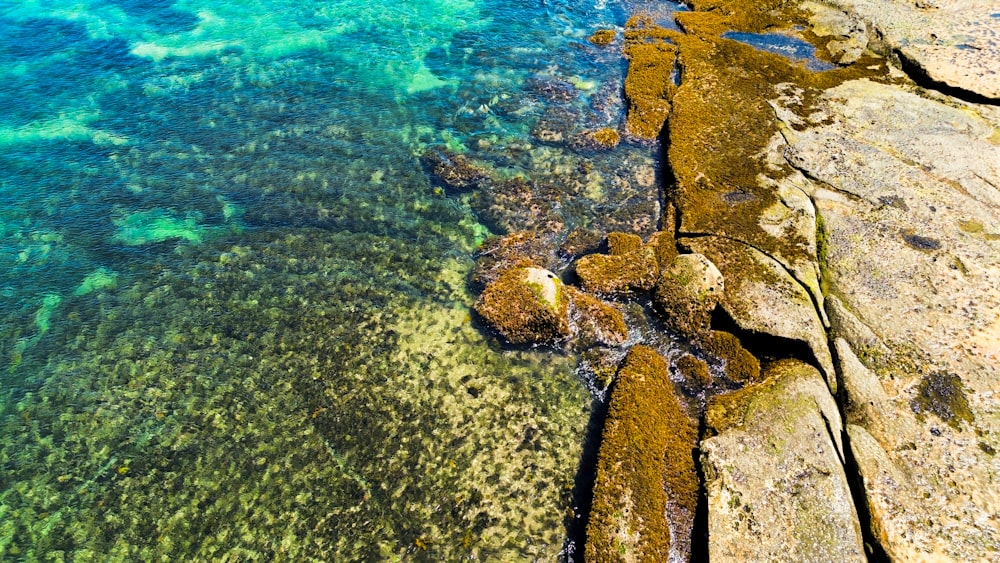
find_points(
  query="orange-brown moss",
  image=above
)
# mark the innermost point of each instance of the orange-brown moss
(721, 120)
(516, 308)
(623, 243)
(602, 37)
(607, 137)
(648, 83)
(686, 294)
(694, 371)
(645, 467)
(597, 321)
(740, 365)
(619, 274)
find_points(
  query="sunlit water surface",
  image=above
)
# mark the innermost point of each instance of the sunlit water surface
(234, 314)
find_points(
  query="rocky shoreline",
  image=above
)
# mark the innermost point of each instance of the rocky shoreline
(829, 252)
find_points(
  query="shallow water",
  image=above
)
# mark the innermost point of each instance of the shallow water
(235, 321)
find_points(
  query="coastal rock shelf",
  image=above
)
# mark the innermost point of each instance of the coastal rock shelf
(839, 235)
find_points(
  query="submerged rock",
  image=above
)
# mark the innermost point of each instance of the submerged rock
(646, 487)
(773, 473)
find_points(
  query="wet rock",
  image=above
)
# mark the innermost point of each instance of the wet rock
(602, 37)
(619, 274)
(648, 86)
(582, 241)
(687, 292)
(907, 189)
(761, 296)
(738, 364)
(646, 486)
(526, 305)
(952, 42)
(520, 249)
(774, 478)
(597, 140)
(596, 321)
(454, 170)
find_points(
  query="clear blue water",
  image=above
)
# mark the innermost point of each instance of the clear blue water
(234, 315)
(784, 44)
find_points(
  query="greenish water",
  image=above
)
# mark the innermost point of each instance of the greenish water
(235, 321)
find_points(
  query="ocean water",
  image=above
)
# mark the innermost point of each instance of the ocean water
(235, 316)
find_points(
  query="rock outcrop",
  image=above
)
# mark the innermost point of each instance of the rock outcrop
(774, 473)
(907, 184)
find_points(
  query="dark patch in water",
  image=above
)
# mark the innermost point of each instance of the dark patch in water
(159, 14)
(942, 395)
(919, 242)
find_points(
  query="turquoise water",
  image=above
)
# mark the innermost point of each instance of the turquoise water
(235, 321)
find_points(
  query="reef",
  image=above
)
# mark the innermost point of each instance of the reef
(646, 486)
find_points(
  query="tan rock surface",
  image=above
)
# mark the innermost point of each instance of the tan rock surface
(774, 478)
(955, 42)
(908, 191)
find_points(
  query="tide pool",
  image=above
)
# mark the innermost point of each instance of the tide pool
(234, 306)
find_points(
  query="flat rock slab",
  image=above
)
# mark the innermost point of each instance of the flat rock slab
(762, 296)
(776, 486)
(908, 190)
(954, 42)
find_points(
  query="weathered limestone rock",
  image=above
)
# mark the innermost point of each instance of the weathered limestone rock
(951, 41)
(646, 486)
(761, 296)
(773, 473)
(687, 292)
(846, 33)
(908, 189)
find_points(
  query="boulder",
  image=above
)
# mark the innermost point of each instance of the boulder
(687, 292)
(526, 305)
(774, 476)
(627, 270)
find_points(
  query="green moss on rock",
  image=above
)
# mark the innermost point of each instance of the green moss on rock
(942, 394)
(645, 469)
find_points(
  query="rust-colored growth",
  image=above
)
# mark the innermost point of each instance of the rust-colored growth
(694, 371)
(602, 37)
(687, 292)
(645, 467)
(607, 137)
(597, 321)
(619, 274)
(664, 243)
(526, 305)
(620, 244)
(648, 84)
(741, 365)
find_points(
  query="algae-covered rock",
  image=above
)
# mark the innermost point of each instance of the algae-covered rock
(761, 296)
(526, 305)
(649, 83)
(776, 485)
(596, 321)
(687, 292)
(519, 249)
(631, 270)
(738, 363)
(646, 487)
